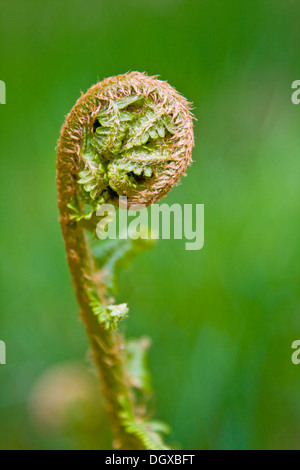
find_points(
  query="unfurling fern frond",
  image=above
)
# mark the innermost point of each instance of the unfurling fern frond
(130, 135)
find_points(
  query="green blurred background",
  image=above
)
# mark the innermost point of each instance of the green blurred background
(222, 319)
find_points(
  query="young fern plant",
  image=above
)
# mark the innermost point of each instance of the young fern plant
(130, 135)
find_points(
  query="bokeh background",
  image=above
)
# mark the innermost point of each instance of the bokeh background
(222, 319)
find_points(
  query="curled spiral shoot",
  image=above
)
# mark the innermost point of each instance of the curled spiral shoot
(129, 135)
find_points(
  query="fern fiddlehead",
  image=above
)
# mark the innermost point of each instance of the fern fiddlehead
(130, 135)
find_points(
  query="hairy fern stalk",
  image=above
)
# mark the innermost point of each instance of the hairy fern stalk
(130, 135)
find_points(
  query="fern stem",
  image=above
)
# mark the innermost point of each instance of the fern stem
(106, 346)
